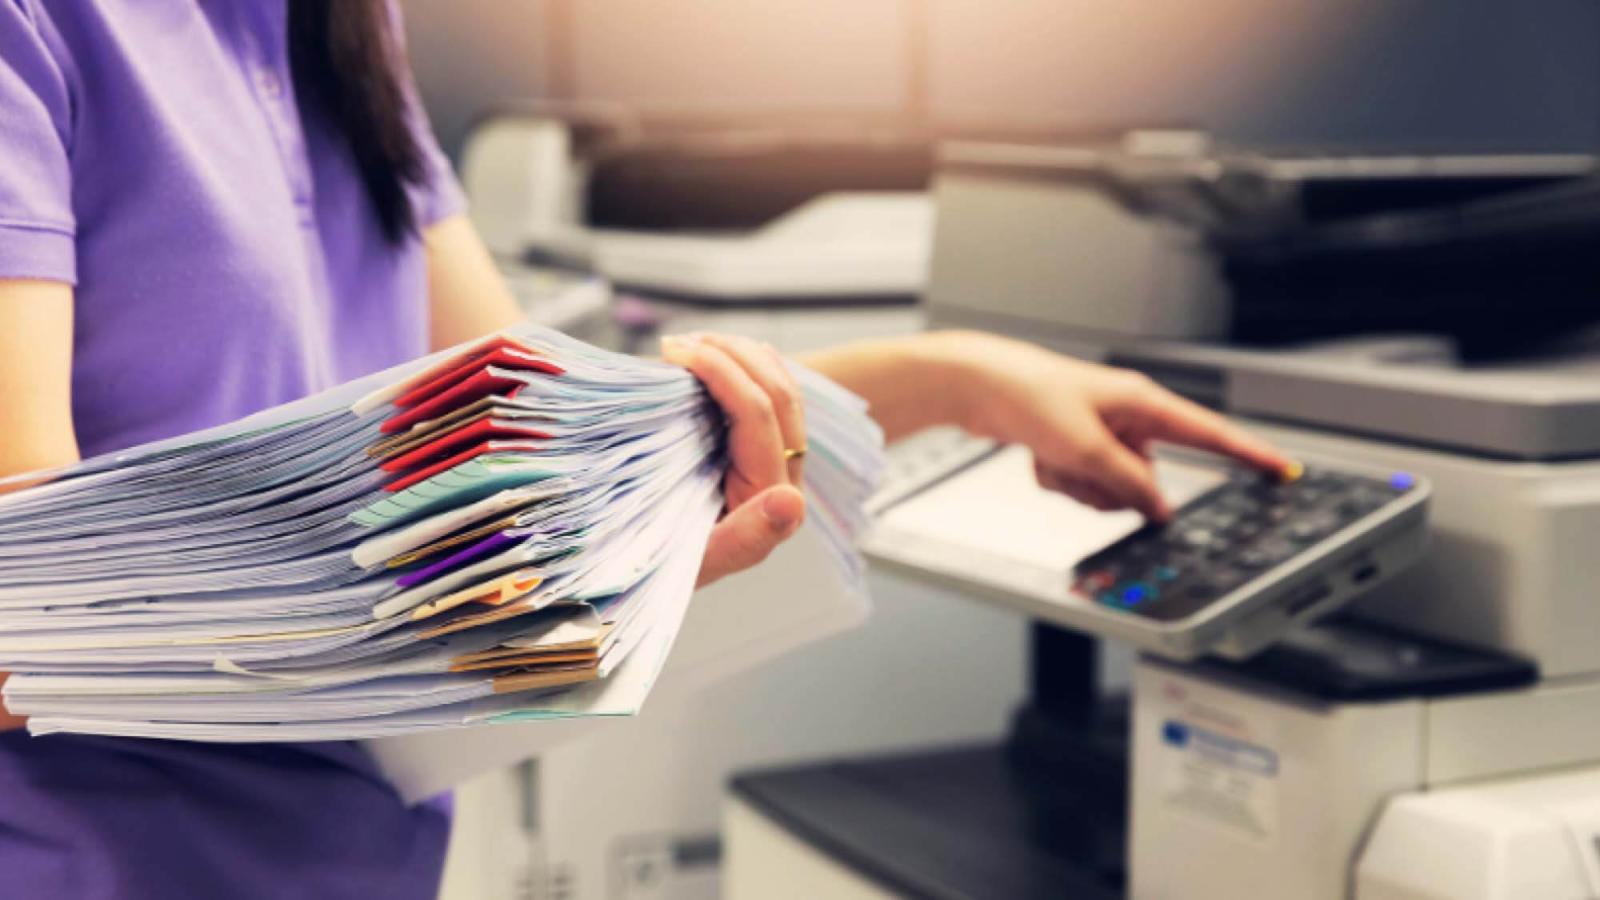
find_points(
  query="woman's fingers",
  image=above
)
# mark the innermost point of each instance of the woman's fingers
(762, 403)
(1078, 452)
(749, 532)
(1166, 416)
(1121, 474)
(1077, 488)
(763, 364)
(755, 444)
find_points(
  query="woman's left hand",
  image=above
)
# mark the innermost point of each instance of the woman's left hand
(765, 418)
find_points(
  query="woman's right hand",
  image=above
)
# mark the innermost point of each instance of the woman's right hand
(1090, 426)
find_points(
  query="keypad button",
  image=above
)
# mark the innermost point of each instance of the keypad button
(1136, 593)
(1254, 559)
(1278, 549)
(1224, 521)
(1237, 501)
(1313, 527)
(1362, 502)
(1221, 580)
(1244, 532)
(1095, 581)
(1305, 532)
(1137, 555)
(1308, 495)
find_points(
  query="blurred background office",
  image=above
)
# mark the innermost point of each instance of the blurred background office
(1368, 74)
(656, 144)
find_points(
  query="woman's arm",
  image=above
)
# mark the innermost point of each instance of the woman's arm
(35, 385)
(467, 296)
(1089, 426)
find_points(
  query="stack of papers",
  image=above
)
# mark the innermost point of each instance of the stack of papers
(505, 532)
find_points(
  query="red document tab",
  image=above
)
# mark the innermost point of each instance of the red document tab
(466, 455)
(449, 441)
(445, 465)
(481, 384)
(501, 352)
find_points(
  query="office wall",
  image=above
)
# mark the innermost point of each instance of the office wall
(1465, 73)
(1454, 73)
(698, 55)
(471, 56)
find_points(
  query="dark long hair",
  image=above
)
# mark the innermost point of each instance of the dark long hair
(347, 62)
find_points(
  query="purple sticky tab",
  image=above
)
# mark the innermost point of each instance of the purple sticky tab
(488, 545)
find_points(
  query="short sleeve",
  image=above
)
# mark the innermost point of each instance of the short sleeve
(37, 229)
(439, 196)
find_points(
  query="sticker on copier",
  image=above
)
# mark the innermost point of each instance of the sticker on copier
(1226, 780)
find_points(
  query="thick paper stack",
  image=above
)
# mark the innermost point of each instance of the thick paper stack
(504, 532)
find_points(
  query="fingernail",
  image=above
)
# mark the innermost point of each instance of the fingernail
(678, 348)
(1293, 471)
(778, 513)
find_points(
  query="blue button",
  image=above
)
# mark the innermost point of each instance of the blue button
(1135, 594)
(1175, 733)
(1402, 481)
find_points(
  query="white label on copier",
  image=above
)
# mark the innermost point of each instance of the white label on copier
(1226, 779)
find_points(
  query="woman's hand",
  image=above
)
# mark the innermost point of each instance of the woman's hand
(762, 402)
(1090, 426)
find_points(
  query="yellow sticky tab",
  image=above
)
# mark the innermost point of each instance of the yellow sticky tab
(494, 593)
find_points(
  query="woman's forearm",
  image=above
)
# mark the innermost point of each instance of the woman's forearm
(467, 296)
(911, 382)
(35, 400)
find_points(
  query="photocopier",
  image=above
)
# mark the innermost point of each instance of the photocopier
(1437, 737)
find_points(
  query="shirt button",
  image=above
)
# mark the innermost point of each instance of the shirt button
(270, 84)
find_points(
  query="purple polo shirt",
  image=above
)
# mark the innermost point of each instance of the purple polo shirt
(225, 258)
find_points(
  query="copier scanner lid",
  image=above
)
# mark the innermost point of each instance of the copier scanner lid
(1410, 389)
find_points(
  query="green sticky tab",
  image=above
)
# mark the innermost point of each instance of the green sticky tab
(467, 483)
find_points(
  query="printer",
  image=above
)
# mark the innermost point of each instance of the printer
(709, 217)
(1361, 772)
(1438, 738)
(797, 239)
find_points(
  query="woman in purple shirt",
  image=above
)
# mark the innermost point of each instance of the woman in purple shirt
(211, 208)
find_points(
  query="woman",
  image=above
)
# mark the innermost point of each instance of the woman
(211, 208)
